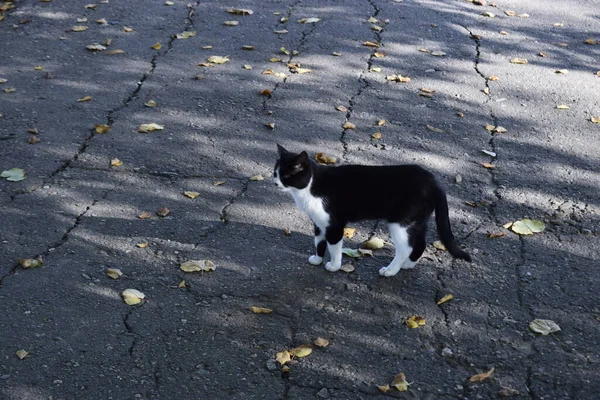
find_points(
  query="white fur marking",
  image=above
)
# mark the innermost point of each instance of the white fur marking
(399, 236)
(335, 251)
(311, 205)
(315, 260)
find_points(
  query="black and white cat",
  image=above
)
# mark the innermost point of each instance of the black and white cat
(403, 195)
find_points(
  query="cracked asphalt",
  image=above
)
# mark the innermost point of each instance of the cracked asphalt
(202, 341)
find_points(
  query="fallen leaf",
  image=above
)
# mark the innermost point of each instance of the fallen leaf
(324, 159)
(86, 98)
(425, 50)
(527, 227)
(240, 11)
(489, 153)
(115, 162)
(266, 92)
(145, 215)
(519, 61)
(399, 382)
(561, 44)
(31, 262)
(374, 243)
(495, 235)
(191, 195)
(169, 3)
(3, 80)
(349, 125)
(217, 59)
(38, 68)
(115, 51)
(231, 23)
(366, 252)
(378, 54)
(301, 351)
(247, 67)
(349, 232)
(372, 20)
(185, 35)
(489, 127)
(507, 391)
(132, 296)
(321, 342)
(524, 15)
(503, 33)
(197, 266)
(544, 326)
(270, 125)
(33, 140)
(488, 165)
(100, 129)
(79, 28)
(384, 388)
(438, 53)
(444, 299)
(558, 24)
(283, 357)
(370, 44)
(376, 135)
(493, 78)
(22, 354)
(595, 120)
(248, 47)
(261, 310)
(145, 128)
(488, 14)
(428, 91)
(510, 13)
(218, 183)
(281, 31)
(13, 175)
(415, 321)
(354, 253)
(163, 212)
(562, 107)
(182, 285)
(499, 129)
(156, 46)
(398, 78)
(142, 245)
(481, 377)
(287, 232)
(150, 103)
(114, 273)
(439, 245)
(311, 20)
(486, 91)
(257, 178)
(347, 268)
(280, 75)
(542, 54)
(128, 29)
(434, 129)
(376, 28)
(296, 70)
(590, 41)
(562, 71)
(208, 47)
(341, 109)
(382, 122)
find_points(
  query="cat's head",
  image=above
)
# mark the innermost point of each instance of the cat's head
(291, 170)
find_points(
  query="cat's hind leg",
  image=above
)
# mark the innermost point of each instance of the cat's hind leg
(334, 236)
(399, 235)
(416, 239)
(320, 247)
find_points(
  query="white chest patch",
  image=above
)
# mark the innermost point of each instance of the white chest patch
(311, 205)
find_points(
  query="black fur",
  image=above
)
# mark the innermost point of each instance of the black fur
(404, 194)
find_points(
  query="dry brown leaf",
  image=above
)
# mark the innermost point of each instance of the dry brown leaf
(481, 377)
(100, 129)
(115, 51)
(115, 162)
(384, 388)
(499, 129)
(182, 285)
(145, 215)
(22, 354)
(495, 235)
(83, 99)
(493, 78)
(400, 383)
(321, 342)
(142, 245)
(163, 212)
(218, 59)
(415, 321)
(376, 135)
(79, 28)
(297, 70)
(517, 60)
(488, 165)
(370, 44)
(349, 125)
(510, 13)
(341, 109)
(590, 41)
(266, 92)
(247, 67)
(190, 194)
(374, 243)
(219, 183)
(347, 268)
(240, 11)
(398, 78)
(349, 232)
(156, 46)
(325, 159)
(145, 128)
(261, 310)
(231, 23)
(444, 299)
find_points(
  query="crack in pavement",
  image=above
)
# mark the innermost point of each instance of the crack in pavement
(223, 215)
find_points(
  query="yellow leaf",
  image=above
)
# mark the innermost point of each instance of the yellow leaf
(376, 69)
(297, 70)
(145, 215)
(115, 162)
(248, 47)
(349, 232)
(595, 120)
(562, 107)
(114, 273)
(444, 299)
(590, 41)
(191, 195)
(9, 90)
(38, 68)
(378, 54)
(283, 357)
(231, 23)
(86, 98)
(182, 285)
(425, 50)
(257, 178)
(341, 109)
(425, 90)
(100, 129)
(156, 46)
(481, 377)
(132, 296)
(382, 122)
(489, 127)
(145, 128)
(488, 165)
(2, 80)
(185, 35)
(370, 44)
(439, 245)
(197, 266)
(240, 11)
(31, 262)
(374, 243)
(150, 103)
(335, 53)
(90, 6)
(399, 382)
(301, 351)
(384, 388)
(544, 326)
(324, 159)
(22, 354)
(398, 78)
(321, 342)
(217, 59)
(527, 226)
(349, 125)
(79, 28)
(372, 20)
(142, 245)
(261, 310)
(208, 47)
(415, 321)
(493, 78)
(247, 67)
(519, 61)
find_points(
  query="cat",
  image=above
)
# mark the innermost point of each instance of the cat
(403, 195)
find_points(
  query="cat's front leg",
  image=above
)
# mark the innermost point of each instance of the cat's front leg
(320, 247)
(334, 236)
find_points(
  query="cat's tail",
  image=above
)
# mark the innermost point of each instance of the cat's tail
(443, 227)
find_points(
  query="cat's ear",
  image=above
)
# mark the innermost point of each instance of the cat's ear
(281, 150)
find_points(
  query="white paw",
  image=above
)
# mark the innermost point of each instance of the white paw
(408, 264)
(333, 267)
(315, 260)
(388, 271)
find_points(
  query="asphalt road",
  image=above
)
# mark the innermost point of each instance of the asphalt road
(76, 337)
